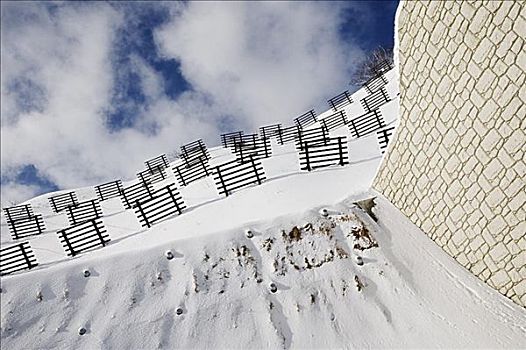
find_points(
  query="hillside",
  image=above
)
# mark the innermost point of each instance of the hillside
(304, 280)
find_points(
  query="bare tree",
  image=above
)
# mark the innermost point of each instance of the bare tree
(379, 61)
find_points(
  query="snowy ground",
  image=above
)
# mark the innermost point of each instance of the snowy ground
(407, 293)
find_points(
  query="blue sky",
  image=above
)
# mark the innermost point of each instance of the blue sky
(89, 90)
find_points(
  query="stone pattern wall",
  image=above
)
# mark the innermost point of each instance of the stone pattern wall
(457, 167)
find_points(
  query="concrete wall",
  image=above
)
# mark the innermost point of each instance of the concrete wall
(457, 166)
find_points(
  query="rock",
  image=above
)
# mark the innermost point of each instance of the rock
(359, 284)
(295, 234)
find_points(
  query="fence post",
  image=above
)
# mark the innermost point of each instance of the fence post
(71, 214)
(267, 144)
(7, 211)
(94, 222)
(255, 169)
(306, 148)
(280, 134)
(142, 177)
(147, 188)
(68, 243)
(368, 88)
(218, 170)
(123, 194)
(27, 210)
(174, 199)
(383, 134)
(332, 104)
(325, 132)
(95, 208)
(378, 118)
(340, 148)
(23, 250)
(364, 100)
(240, 149)
(344, 120)
(311, 112)
(384, 95)
(203, 165)
(138, 205)
(180, 175)
(13, 225)
(355, 129)
(40, 229)
(119, 186)
(348, 96)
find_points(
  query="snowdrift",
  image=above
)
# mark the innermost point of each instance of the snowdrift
(292, 263)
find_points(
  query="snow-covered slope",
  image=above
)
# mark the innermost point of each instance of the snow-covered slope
(299, 282)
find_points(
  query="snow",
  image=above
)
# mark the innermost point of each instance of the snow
(293, 284)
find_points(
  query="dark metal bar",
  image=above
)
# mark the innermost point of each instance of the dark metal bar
(138, 205)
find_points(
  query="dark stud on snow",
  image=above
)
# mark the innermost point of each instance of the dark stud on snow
(359, 260)
(249, 233)
(273, 288)
(179, 311)
(87, 273)
(82, 331)
(169, 255)
(324, 213)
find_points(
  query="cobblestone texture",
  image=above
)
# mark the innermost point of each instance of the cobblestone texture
(457, 166)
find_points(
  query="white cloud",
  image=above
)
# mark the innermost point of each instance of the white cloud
(261, 61)
(258, 63)
(14, 193)
(66, 56)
